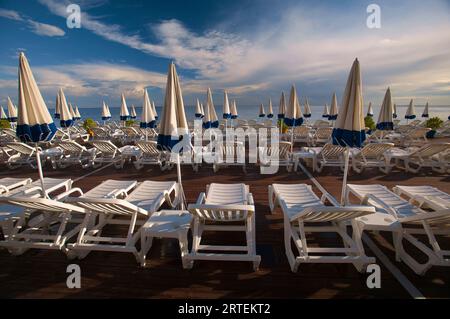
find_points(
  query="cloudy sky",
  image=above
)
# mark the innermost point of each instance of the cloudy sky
(254, 49)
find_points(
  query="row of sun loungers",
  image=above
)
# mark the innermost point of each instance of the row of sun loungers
(74, 222)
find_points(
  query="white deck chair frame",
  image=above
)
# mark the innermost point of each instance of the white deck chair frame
(322, 135)
(280, 154)
(107, 153)
(418, 223)
(328, 156)
(232, 155)
(25, 155)
(9, 183)
(74, 153)
(304, 212)
(217, 217)
(429, 155)
(424, 196)
(372, 155)
(151, 155)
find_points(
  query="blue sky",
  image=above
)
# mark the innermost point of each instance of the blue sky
(254, 49)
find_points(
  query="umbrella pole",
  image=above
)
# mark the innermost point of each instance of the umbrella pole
(344, 179)
(39, 166)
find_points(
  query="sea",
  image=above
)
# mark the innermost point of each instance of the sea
(248, 112)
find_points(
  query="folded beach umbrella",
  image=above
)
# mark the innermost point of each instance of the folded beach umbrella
(270, 111)
(66, 118)
(262, 112)
(293, 116)
(173, 125)
(386, 113)
(57, 107)
(307, 112)
(77, 113)
(425, 111)
(147, 117)
(210, 120)
(202, 110)
(71, 110)
(394, 110)
(226, 106)
(34, 122)
(12, 111)
(106, 115)
(234, 112)
(124, 114)
(334, 109)
(282, 106)
(154, 110)
(350, 128)
(370, 110)
(133, 113)
(411, 111)
(326, 112)
(3, 115)
(198, 110)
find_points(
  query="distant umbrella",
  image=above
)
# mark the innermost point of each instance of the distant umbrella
(411, 111)
(57, 107)
(203, 110)
(71, 109)
(198, 110)
(425, 111)
(270, 111)
(370, 110)
(282, 106)
(334, 109)
(154, 110)
(12, 111)
(34, 122)
(326, 112)
(3, 115)
(293, 116)
(262, 112)
(386, 113)
(66, 116)
(234, 112)
(210, 120)
(394, 110)
(106, 115)
(133, 113)
(124, 114)
(77, 113)
(307, 110)
(148, 117)
(226, 106)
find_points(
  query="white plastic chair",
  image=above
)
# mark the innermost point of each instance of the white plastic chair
(372, 155)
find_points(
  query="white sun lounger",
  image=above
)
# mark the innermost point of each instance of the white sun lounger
(304, 212)
(329, 155)
(151, 155)
(279, 155)
(224, 204)
(74, 153)
(414, 221)
(107, 153)
(134, 210)
(321, 135)
(25, 155)
(425, 196)
(232, 155)
(372, 155)
(9, 183)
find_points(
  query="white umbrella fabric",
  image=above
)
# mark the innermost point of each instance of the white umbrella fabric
(385, 119)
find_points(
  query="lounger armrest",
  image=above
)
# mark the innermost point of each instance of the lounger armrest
(201, 198)
(330, 198)
(4, 188)
(250, 200)
(69, 192)
(439, 214)
(384, 206)
(32, 189)
(230, 207)
(117, 193)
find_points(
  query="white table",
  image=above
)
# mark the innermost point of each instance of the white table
(167, 224)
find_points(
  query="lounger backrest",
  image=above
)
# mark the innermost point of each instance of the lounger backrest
(233, 151)
(130, 131)
(301, 131)
(99, 132)
(107, 206)
(106, 147)
(226, 194)
(110, 187)
(375, 150)
(222, 213)
(324, 133)
(418, 132)
(71, 147)
(322, 213)
(41, 204)
(148, 148)
(330, 151)
(22, 148)
(429, 150)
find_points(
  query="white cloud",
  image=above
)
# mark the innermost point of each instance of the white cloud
(10, 14)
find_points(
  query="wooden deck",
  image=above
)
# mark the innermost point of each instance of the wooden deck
(42, 274)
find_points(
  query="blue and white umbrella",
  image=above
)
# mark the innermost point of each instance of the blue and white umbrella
(12, 111)
(326, 111)
(394, 110)
(77, 113)
(154, 110)
(210, 120)
(173, 125)
(202, 110)
(124, 114)
(198, 110)
(226, 107)
(307, 110)
(133, 113)
(106, 114)
(66, 117)
(148, 117)
(350, 127)
(334, 109)
(425, 113)
(293, 116)
(57, 113)
(262, 112)
(270, 111)
(385, 122)
(72, 111)
(411, 111)
(3, 115)
(370, 110)
(234, 112)
(34, 122)
(282, 107)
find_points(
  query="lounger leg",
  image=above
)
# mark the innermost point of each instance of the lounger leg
(183, 242)
(288, 229)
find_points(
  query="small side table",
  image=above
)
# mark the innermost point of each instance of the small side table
(306, 155)
(166, 224)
